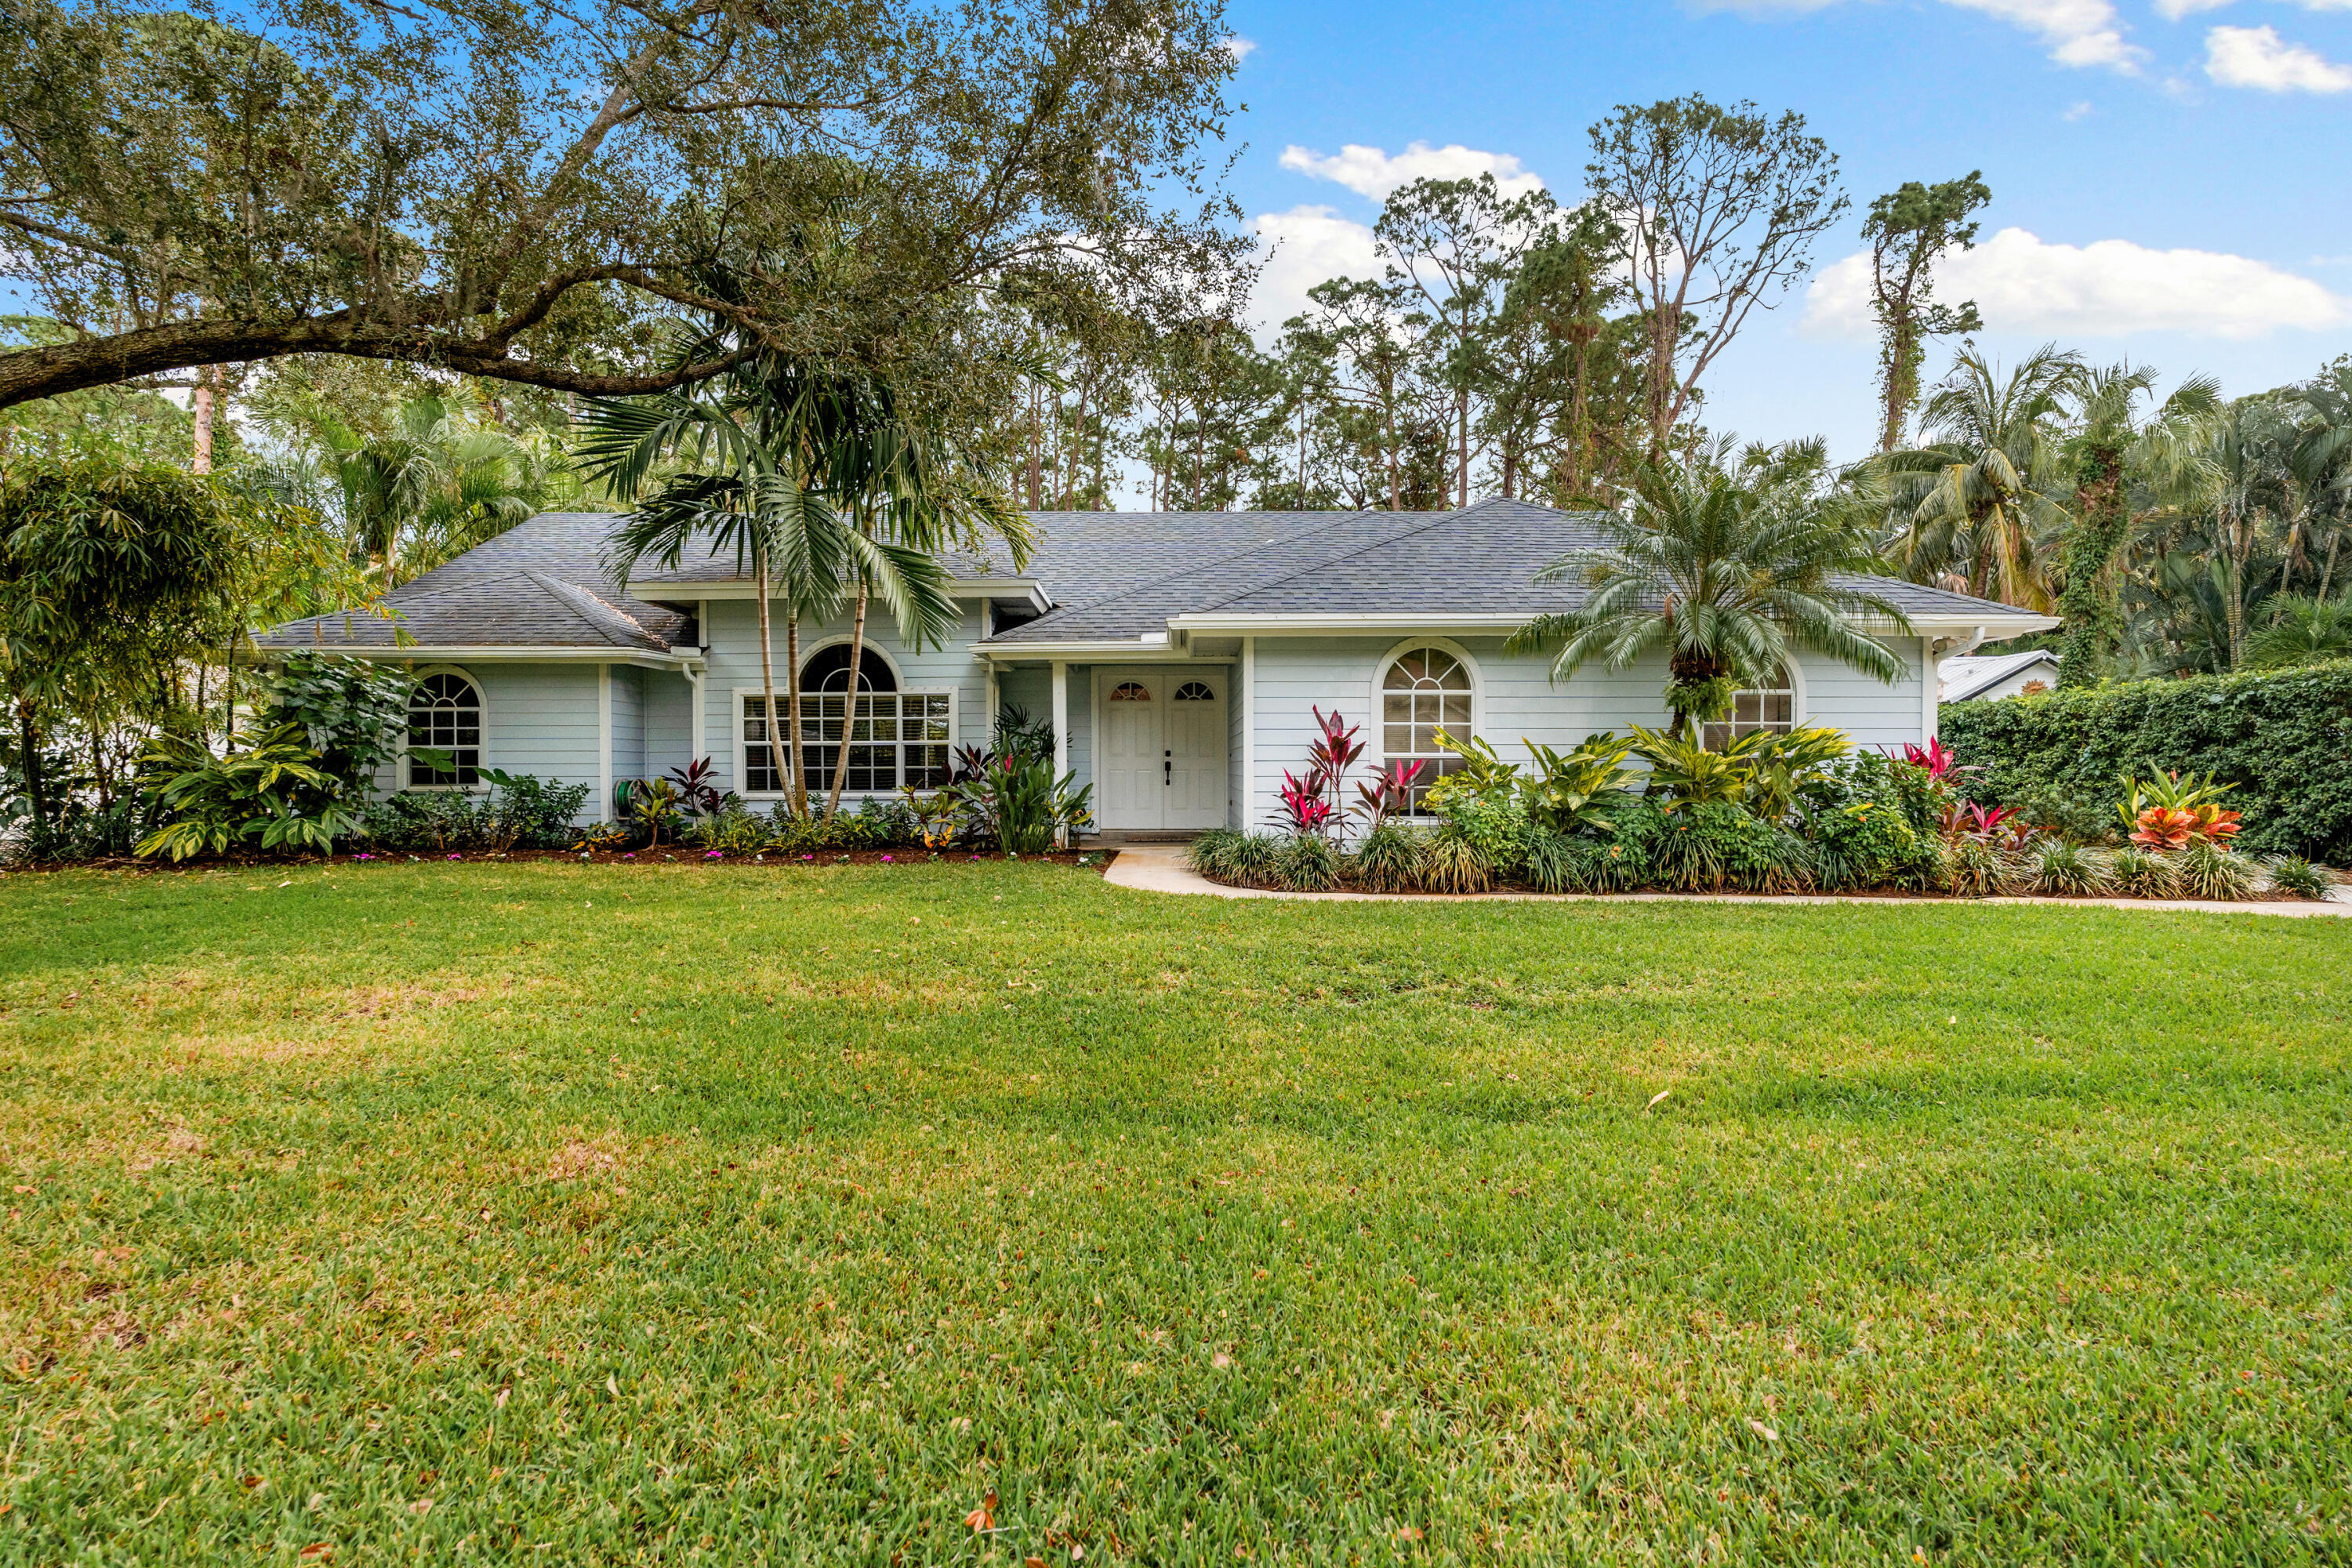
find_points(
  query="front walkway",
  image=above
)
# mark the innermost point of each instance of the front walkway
(1161, 868)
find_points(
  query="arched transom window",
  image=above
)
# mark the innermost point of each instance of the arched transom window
(1195, 691)
(445, 714)
(1131, 691)
(884, 737)
(1423, 690)
(1773, 707)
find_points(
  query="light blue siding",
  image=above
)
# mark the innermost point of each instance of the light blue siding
(629, 761)
(731, 636)
(669, 718)
(1516, 700)
(1029, 688)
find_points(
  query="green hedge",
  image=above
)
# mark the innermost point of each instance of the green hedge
(2283, 739)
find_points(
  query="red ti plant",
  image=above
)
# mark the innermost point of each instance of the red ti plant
(1937, 759)
(1306, 803)
(1986, 823)
(1391, 792)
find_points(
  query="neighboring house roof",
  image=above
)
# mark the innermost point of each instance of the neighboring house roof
(1110, 578)
(1971, 675)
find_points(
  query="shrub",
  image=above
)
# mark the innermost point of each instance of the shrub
(1717, 844)
(271, 794)
(1972, 867)
(1244, 859)
(1495, 823)
(888, 823)
(2283, 739)
(1388, 858)
(1454, 862)
(2209, 870)
(2079, 819)
(1307, 864)
(731, 830)
(2061, 868)
(516, 811)
(2143, 874)
(2299, 878)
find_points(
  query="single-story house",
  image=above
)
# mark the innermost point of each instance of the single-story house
(1994, 674)
(1180, 658)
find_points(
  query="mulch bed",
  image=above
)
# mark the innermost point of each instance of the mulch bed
(1097, 860)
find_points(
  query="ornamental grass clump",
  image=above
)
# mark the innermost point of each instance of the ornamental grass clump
(2140, 873)
(2058, 869)
(1388, 858)
(2299, 878)
(1244, 859)
(2208, 869)
(1454, 862)
(1307, 863)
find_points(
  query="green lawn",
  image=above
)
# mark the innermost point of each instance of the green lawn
(552, 1215)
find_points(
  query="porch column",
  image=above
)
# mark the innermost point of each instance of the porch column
(1928, 717)
(1249, 735)
(995, 706)
(700, 718)
(1061, 718)
(603, 742)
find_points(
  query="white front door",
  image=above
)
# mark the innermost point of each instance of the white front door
(1163, 747)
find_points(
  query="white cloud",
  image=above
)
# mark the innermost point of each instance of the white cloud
(1371, 172)
(2259, 58)
(1302, 247)
(2175, 10)
(2078, 32)
(2077, 111)
(2022, 283)
(1243, 49)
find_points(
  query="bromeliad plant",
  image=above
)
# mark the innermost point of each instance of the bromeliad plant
(2165, 813)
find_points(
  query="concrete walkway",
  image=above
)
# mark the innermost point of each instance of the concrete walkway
(1161, 868)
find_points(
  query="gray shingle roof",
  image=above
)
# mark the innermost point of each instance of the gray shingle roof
(1112, 576)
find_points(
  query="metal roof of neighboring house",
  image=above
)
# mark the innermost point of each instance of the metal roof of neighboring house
(1110, 576)
(1966, 675)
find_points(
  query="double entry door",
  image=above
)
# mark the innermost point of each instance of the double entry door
(1164, 730)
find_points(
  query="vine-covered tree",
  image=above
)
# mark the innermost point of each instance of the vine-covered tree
(1910, 229)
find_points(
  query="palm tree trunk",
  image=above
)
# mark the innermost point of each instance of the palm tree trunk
(2328, 571)
(767, 664)
(849, 712)
(37, 793)
(793, 699)
(201, 408)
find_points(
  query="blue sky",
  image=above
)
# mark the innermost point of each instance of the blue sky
(2170, 176)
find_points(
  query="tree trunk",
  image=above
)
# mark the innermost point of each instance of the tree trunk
(767, 664)
(1462, 447)
(792, 697)
(849, 707)
(1034, 500)
(201, 406)
(36, 787)
(2100, 522)
(2328, 571)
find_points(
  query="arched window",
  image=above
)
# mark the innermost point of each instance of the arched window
(1772, 708)
(887, 738)
(1423, 690)
(444, 713)
(1131, 691)
(1195, 691)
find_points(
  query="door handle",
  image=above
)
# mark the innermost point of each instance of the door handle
(1166, 769)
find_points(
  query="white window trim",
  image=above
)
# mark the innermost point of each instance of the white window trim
(742, 747)
(1800, 711)
(400, 759)
(1376, 708)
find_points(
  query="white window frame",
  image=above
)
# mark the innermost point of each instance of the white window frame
(1378, 703)
(482, 702)
(742, 746)
(1799, 715)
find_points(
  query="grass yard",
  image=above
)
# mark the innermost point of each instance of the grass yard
(553, 1214)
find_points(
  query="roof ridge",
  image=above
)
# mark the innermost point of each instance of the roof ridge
(1345, 555)
(1197, 566)
(565, 593)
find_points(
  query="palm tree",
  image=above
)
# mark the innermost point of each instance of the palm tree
(1974, 507)
(2120, 457)
(1725, 572)
(2302, 631)
(2323, 462)
(2252, 490)
(430, 489)
(907, 499)
(746, 441)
